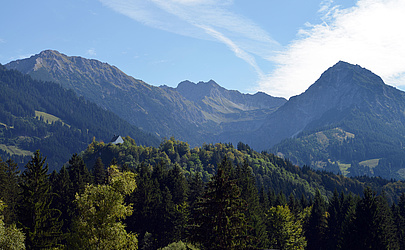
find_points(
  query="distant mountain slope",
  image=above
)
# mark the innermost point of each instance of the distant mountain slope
(347, 118)
(42, 115)
(179, 112)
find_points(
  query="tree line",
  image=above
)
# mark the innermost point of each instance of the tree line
(159, 205)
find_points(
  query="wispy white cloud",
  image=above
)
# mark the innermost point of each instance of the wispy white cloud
(20, 56)
(235, 48)
(202, 19)
(370, 34)
(91, 52)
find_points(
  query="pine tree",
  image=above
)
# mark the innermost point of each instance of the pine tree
(281, 200)
(196, 189)
(220, 222)
(78, 173)
(39, 221)
(334, 221)
(264, 199)
(254, 213)
(146, 198)
(177, 184)
(99, 172)
(63, 199)
(399, 218)
(315, 229)
(293, 205)
(9, 189)
(372, 226)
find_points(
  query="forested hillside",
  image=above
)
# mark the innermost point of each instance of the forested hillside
(42, 115)
(270, 171)
(133, 197)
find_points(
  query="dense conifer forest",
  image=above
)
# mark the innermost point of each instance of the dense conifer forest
(127, 196)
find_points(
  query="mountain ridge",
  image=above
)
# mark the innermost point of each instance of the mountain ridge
(163, 111)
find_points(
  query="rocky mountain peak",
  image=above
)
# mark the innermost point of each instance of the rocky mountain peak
(341, 88)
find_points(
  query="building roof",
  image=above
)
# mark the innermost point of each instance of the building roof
(117, 139)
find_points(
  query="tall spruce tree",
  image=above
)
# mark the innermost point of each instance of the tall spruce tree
(220, 221)
(63, 200)
(254, 213)
(399, 218)
(177, 184)
(335, 221)
(99, 172)
(78, 173)
(195, 189)
(315, 229)
(146, 198)
(9, 189)
(39, 221)
(372, 226)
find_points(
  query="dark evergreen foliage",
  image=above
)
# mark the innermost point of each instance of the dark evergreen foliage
(220, 222)
(254, 213)
(372, 226)
(99, 172)
(9, 189)
(39, 221)
(316, 227)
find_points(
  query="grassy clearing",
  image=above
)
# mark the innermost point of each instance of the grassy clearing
(343, 168)
(372, 163)
(48, 118)
(13, 150)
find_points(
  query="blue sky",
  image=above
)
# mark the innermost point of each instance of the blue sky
(279, 47)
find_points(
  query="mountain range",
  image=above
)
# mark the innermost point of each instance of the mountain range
(164, 111)
(349, 121)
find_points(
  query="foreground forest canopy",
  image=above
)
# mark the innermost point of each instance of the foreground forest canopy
(127, 196)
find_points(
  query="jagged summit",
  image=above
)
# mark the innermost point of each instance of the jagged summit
(342, 74)
(211, 94)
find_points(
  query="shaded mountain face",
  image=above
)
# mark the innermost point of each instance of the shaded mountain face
(195, 113)
(348, 121)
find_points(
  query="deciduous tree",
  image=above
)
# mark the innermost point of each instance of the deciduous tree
(101, 209)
